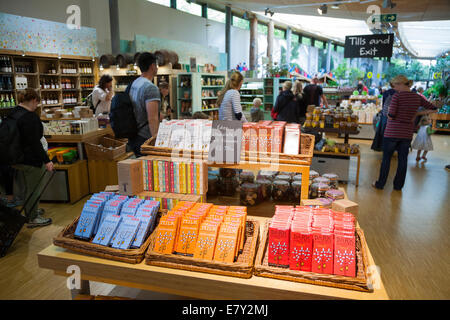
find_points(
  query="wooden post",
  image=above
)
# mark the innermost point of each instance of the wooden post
(270, 35)
(253, 43)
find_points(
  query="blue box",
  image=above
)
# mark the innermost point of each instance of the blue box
(143, 231)
(107, 229)
(88, 220)
(126, 233)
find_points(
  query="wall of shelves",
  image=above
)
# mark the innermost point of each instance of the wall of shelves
(50, 77)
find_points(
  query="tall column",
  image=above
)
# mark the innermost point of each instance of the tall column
(253, 43)
(270, 35)
(228, 35)
(114, 26)
(288, 45)
(328, 56)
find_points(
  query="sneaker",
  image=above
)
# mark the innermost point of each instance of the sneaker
(39, 222)
(40, 211)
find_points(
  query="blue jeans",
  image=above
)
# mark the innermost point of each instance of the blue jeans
(389, 146)
(135, 145)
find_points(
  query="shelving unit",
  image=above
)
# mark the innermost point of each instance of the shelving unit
(251, 89)
(439, 117)
(334, 95)
(39, 69)
(198, 92)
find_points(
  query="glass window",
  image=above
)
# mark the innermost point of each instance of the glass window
(306, 41)
(318, 44)
(241, 23)
(294, 38)
(262, 29)
(191, 8)
(278, 33)
(161, 2)
(216, 15)
(340, 49)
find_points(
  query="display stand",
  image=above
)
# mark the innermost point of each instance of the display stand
(439, 117)
(196, 284)
(345, 132)
(103, 173)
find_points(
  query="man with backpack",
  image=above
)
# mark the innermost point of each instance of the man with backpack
(135, 113)
(21, 135)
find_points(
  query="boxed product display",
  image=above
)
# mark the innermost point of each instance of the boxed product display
(345, 205)
(130, 173)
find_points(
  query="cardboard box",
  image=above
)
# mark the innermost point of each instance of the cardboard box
(345, 205)
(311, 202)
(130, 175)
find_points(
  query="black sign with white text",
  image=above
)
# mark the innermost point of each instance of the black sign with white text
(369, 46)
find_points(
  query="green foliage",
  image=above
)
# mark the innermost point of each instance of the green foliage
(442, 64)
(340, 72)
(295, 53)
(413, 70)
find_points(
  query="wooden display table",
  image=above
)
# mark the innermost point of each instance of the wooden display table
(103, 173)
(192, 284)
(439, 117)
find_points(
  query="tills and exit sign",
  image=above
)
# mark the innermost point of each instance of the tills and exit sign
(369, 46)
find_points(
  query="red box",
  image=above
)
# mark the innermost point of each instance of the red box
(253, 147)
(278, 246)
(301, 247)
(323, 245)
(344, 256)
(265, 138)
(247, 129)
(277, 139)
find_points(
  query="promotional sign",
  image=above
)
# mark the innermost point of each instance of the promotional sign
(369, 46)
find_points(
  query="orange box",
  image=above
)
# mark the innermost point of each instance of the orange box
(226, 244)
(165, 239)
(206, 241)
(187, 237)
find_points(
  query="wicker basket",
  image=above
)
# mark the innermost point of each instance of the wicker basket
(242, 268)
(360, 283)
(96, 152)
(304, 158)
(67, 240)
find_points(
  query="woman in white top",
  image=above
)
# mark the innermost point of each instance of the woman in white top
(102, 95)
(229, 99)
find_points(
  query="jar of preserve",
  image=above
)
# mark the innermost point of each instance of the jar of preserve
(213, 185)
(322, 124)
(228, 186)
(315, 124)
(334, 194)
(281, 190)
(318, 190)
(307, 124)
(297, 177)
(246, 177)
(326, 202)
(296, 190)
(333, 179)
(309, 116)
(283, 177)
(250, 194)
(312, 175)
(290, 174)
(266, 188)
(322, 180)
(227, 173)
(267, 175)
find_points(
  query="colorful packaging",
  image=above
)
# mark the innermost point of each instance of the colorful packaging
(126, 232)
(107, 230)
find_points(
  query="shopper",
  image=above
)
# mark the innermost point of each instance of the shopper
(6, 185)
(166, 110)
(399, 130)
(229, 99)
(299, 97)
(420, 92)
(377, 143)
(361, 87)
(423, 138)
(256, 112)
(286, 107)
(145, 97)
(313, 94)
(36, 160)
(102, 95)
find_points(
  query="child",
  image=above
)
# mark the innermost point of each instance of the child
(256, 113)
(423, 139)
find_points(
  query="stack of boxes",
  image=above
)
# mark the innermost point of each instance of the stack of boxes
(313, 240)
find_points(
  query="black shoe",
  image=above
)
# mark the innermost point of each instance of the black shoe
(374, 184)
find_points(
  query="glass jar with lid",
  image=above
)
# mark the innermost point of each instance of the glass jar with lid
(333, 178)
(296, 190)
(268, 175)
(250, 194)
(281, 190)
(213, 185)
(246, 177)
(322, 180)
(318, 190)
(334, 194)
(266, 188)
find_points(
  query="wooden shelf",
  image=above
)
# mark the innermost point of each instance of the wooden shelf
(76, 138)
(50, 90)
(70, 74)
(26, 74)
(213, 109)
(50, 74)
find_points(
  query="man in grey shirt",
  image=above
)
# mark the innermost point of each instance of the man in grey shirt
(145, 97)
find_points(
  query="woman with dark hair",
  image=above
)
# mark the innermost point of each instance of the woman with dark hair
(102, 95)
(36, 160)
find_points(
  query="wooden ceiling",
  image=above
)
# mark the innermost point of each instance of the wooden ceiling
(406, 10)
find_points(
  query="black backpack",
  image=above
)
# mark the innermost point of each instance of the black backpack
(121, 117)
(10, 144)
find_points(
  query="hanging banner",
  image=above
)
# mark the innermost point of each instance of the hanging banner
(369, 46)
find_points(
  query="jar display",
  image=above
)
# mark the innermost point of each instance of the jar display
(297, 190)
(309, 116)
(227, 173)
(322, 180)
(267, 175)
(318, 190)
(281, 190)
(213, 185)
(250, 194)
(266, 188)
(308, 124)
(297, 177)
(228, 186)
(291, 174)
(246, 177)
(312, 175)
(334, 178)
(283, 177)
(334, 194)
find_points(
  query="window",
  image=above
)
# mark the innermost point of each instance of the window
(340, 49)
(306, 41)
(191, 8)
(318, 44)
(161, 2)
(216, 15)
(294, 38)
(262, 28)
(241, 23)
(278, 33)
